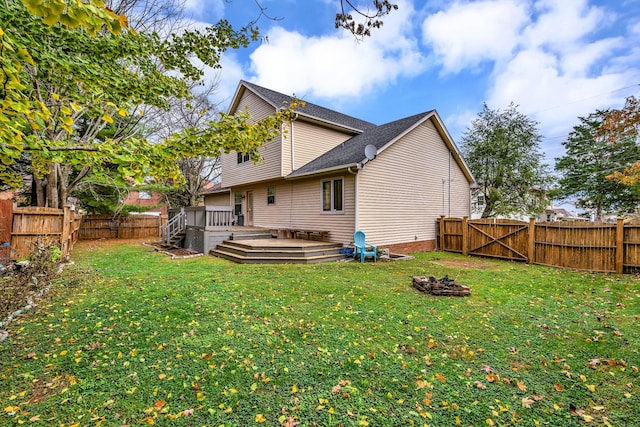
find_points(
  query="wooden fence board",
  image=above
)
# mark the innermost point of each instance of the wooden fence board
(499, 238)
(603, 247)
(109, 227)
(631, 244)
(47, 225)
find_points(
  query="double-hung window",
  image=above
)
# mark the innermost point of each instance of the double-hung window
(333, 195)
(243, 158)
(271, 195)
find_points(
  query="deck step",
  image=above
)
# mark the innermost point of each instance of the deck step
(276, 259)
(255, 252)
(255, 235)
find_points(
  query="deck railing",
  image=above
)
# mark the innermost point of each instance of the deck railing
(207, 218)
(177, 223)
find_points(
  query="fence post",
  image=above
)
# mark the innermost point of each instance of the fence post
(66, 227)
(531, 256)
(441, 230)
(620, 246)
(465, 235)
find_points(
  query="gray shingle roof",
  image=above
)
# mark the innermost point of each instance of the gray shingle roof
(278, 100)
(351, 151)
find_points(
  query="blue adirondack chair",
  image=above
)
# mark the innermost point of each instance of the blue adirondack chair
(364, 249)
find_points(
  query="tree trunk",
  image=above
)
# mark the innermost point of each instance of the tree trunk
(39, 196)
(52, 188)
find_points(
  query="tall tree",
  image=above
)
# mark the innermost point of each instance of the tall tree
(590, 158)
(371, 19)
(503, 153)
(67, 79)
(197, 171)
(622, 124)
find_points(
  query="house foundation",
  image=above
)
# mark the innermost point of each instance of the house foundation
(417, 246)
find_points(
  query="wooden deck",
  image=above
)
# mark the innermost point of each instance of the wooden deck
(278, 251)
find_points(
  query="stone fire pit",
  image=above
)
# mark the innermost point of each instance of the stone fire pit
(440, 287)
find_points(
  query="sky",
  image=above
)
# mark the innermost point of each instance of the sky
(556, 59)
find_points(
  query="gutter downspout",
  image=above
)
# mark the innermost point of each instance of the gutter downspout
(355, 216)
(450, 154)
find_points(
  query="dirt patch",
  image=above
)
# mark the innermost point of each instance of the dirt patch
(180, 251)
(467, 263)
(174, 253)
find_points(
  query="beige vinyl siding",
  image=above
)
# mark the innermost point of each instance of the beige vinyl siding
(234, 173)
(299, 205)
(285, 150)
(310, 141)
(404, 190)
(218, 199)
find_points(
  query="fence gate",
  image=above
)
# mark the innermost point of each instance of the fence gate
(499, 238)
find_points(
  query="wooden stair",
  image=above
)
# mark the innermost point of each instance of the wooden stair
(253, 252)
(175, 241)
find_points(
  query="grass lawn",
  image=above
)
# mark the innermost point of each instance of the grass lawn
(130, 337)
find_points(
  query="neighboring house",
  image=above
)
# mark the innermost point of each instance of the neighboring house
(558, 214)
(337, 173)
(147, 198)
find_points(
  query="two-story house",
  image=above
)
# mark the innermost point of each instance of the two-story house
(330, 171)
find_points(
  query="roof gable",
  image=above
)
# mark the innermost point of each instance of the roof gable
(352, 151)
(310, 110)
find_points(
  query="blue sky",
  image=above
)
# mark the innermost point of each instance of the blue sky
(556, 59)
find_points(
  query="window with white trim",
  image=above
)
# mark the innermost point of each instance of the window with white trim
(144, 195)
(271, 195)
(332, 195)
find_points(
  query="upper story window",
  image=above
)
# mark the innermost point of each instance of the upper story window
(271, 195)
(243, 158)
(144, 195)
(332, 195)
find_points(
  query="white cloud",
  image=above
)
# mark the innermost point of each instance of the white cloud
(336, 66)
(214, 8)
(545, 56)
(467, 34)
(561, 24)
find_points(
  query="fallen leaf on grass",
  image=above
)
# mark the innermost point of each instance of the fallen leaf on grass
(521, 386)
(527, 402)
(558, 387)
(289, 423)
(480, 385)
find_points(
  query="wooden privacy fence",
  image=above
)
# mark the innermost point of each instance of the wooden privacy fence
(602, 247)
(129, 227)
(33, 224)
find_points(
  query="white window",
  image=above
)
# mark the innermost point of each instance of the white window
(271, 195)
(144, 195)
(332, 195)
